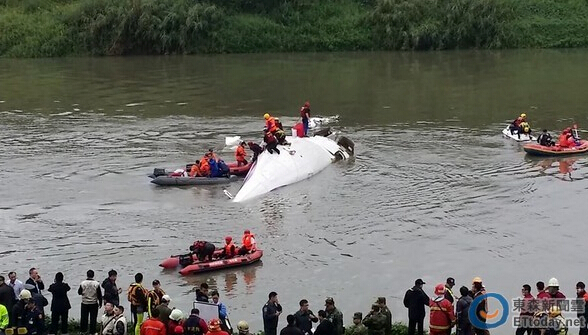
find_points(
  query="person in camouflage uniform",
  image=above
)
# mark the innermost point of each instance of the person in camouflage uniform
(357, 328)
(375, 321)
(386, 311)
(335, 316)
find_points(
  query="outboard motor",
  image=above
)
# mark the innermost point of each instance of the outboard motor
(186, 260)
(347, 144)
(159, 172)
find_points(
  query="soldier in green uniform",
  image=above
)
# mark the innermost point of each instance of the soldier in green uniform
(334, 315)
(375, 321)
(386, 311)
(357, 328)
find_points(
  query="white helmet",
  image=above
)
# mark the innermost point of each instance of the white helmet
(553, 282)
(243, 326)
(25, 294)
(176, 315)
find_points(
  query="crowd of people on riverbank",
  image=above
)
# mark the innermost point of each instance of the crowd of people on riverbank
(22, 306)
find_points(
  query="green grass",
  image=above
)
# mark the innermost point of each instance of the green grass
(50, 28)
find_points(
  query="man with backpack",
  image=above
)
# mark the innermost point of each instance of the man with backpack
(137, 296)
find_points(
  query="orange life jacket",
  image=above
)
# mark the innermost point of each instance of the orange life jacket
(194, 170)
(270, 124)
(249, 242)
(230, 249)
(137, 295)
(563, 140)
(240, 154)
(204, 168)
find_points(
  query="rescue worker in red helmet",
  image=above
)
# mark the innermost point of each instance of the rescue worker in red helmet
(229, 250)
(442, 317)
(214, 328)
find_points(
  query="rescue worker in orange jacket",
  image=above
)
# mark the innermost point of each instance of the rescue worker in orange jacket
(153, 326)
(240, 155)
(195, 169)
(563, 138)
(248, 243)
(229, 250)
(204, 168)
(270, 123)
(442, 315)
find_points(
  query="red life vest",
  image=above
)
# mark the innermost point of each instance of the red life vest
(441, 314)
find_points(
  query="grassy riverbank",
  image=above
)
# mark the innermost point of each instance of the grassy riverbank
(48, 28)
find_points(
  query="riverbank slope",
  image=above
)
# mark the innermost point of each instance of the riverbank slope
(50, 28)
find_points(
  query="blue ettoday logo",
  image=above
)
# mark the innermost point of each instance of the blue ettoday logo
(492, 320)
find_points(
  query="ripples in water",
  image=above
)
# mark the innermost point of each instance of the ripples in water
(426, 200)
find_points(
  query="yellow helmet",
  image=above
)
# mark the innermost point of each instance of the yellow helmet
(554, 311)
(266, 116)
(477, 280)
(523, 115)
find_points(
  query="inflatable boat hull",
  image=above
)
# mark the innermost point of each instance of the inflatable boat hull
(186, 181)
(556, 150)
(222, 263)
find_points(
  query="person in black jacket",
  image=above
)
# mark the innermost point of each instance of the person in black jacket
(7, 297)
(291, 328)
(60, 305)
(304, 318)
(202, 293)
(19, 311)
(415, 300)
(325, 326)
(257, 150)
(271, 312)
(36, 281)
(34, 319)
(111, 291)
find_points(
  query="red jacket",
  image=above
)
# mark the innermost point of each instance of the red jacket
(526, 308)
(442, 315)
(543, 295)
(303, 112)
(153, 327)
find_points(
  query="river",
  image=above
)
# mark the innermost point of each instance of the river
(434, 191)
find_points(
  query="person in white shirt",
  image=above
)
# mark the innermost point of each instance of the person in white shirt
(91, 302)
(16, 284)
